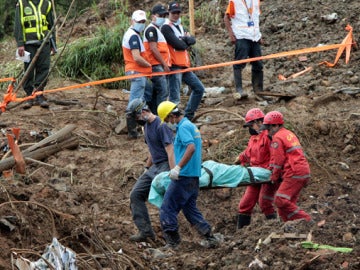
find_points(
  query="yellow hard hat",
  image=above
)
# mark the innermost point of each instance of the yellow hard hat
(164, 109)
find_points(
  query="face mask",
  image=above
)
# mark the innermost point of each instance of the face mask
(253, 131)
(171, 126)
(178, 22)
(146, 118)
(159, 21)
(139, 27)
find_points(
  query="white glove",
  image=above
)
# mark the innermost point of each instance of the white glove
(174, 173)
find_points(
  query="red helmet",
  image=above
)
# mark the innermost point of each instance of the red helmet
(273, 118)
(253, 114)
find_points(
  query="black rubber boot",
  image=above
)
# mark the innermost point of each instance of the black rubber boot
(132, 127)
(212, 241)
(257, 80)
(271, 216)
(172, 239)
(142, 237)
(238, 83)
(243, 220)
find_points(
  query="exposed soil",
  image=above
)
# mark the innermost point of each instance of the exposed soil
(81, 196)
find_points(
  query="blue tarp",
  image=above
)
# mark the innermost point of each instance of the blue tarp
(213, 174)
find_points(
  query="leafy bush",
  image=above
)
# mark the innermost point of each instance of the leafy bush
(99, 57)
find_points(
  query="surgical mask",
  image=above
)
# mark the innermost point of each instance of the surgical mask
(159, 21)
(171, 126)
(146, 118)
(178, 22)
(253, 131)
(139, 27)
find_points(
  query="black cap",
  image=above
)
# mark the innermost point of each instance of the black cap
(159, 9)
(174, 7)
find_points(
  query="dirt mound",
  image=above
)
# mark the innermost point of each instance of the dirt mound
(81, 196)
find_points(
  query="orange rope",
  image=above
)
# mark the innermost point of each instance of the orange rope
(346, 45)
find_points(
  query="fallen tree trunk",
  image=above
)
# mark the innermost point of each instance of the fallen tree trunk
(47, 147)
(62, 134)
(42, 153)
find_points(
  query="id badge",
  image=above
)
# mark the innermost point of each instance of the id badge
(250, 23)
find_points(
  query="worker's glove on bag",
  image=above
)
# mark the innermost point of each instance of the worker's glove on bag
(174, 173)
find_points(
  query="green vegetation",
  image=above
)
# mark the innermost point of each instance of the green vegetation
(98, 57)
(209, 14)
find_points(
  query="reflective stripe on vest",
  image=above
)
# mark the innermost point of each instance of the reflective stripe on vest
(130, 63)
(293, 148)
(33, 19)
(161, 46)
(178, 58)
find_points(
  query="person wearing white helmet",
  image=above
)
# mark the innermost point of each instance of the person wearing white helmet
(159, 139)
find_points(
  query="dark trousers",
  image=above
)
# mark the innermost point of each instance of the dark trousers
(38, 76)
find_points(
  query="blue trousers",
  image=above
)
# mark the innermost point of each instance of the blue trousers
(182, 195)
(197, 90)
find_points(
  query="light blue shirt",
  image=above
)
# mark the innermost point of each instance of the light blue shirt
(187, 133)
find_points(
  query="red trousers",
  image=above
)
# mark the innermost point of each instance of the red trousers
(286, 198)
(264, 194)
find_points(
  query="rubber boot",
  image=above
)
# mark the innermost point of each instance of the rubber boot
(271, 216)
(243, 220)
(257, 80)
(172, 239)
(240, 93)
(211, 240)
(132, 127)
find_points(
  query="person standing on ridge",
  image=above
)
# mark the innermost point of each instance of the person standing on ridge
(178, 42)
(135, 63)
(33, 20)
(158, 55)
(242, 19)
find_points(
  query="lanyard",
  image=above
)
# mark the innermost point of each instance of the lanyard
(249, 10)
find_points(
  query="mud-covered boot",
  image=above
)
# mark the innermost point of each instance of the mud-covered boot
(172, 239)
(211, 240)
(142, 237)
(257, 80)
(131, 126)
(240, 93)
(242, 221)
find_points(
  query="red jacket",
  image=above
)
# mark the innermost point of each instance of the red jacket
(257, 153)
(287, 159)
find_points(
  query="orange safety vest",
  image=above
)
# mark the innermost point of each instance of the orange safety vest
(130, 63)
(161, 46)
(179, 58)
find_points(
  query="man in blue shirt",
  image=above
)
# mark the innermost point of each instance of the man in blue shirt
(183, 190)
(159, 139)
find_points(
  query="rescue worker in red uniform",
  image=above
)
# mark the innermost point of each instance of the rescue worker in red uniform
(289, 166)
(256, 154)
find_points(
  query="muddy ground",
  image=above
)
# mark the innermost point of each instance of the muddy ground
(81, 195)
